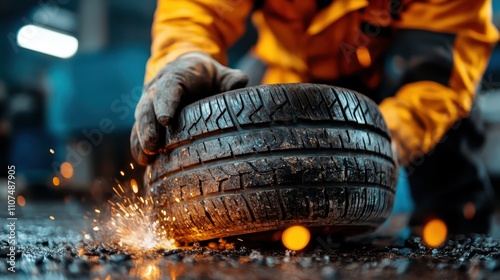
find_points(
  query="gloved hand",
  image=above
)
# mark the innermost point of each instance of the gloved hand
(190, 77)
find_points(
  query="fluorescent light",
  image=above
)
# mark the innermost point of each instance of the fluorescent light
(46, 41)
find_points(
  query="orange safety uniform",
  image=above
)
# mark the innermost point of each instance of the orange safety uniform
(301, 43)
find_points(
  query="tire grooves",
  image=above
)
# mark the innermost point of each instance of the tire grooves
(179, 159)
(268, 155)
(305, 160)
(352, 126)
(373, 218)
(250, 209)
(281, 187)
(280, 88)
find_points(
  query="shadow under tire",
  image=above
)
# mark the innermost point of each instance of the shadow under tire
(268, 157)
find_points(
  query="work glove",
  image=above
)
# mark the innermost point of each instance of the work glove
(190, 77)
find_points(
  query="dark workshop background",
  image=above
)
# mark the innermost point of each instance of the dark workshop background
(82, 107)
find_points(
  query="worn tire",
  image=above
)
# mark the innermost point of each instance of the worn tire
(267, 157)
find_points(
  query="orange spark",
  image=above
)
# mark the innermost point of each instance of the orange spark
(130, 222)
(117, 193)
(55, 181)
(133, 184)
(151, 272)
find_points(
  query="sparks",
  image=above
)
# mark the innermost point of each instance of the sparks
(130, 222)
(133, 184)
(117, 193)
(52, 217)
(122, 173)
(151, 272)
(132, 166)
(51, 151)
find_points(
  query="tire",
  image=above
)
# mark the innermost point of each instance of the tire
(268, 157)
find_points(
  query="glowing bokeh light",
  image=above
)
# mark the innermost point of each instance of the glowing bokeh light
(43, 40)
(52, 217)
(364, 56)
(55, 181)
(67, 170)
(434, 233)
(21, 201)
(296, 237)
(469, 210)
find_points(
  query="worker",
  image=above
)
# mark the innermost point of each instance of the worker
(421, 61)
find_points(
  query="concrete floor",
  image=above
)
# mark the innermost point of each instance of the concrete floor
(55, 249)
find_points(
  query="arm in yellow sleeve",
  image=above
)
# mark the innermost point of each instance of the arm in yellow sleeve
(443, 66)
(182, 26)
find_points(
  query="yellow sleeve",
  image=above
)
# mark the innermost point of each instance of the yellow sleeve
(422, 111)
(182, 26)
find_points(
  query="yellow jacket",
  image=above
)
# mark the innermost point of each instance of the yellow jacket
(301, 44)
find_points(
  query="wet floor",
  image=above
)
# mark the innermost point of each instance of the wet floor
(56, 249)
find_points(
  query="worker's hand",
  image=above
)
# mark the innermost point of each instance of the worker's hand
(190, 77)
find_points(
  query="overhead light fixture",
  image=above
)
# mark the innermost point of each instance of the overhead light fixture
(47, 41)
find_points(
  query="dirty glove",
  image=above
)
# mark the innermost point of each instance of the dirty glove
(190, 77)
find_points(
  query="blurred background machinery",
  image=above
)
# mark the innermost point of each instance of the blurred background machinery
(73, 91)
(71, 74)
